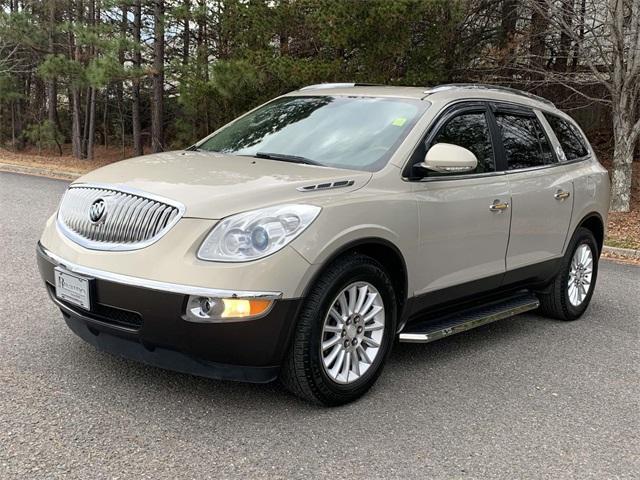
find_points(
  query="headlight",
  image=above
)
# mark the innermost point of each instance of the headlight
(257, 233)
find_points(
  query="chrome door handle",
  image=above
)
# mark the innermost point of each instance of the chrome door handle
(561, 195)
(498, 206)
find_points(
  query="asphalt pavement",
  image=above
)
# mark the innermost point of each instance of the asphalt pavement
(525, 398)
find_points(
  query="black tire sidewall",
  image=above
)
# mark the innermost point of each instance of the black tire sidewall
(582, 237)
(372, 273)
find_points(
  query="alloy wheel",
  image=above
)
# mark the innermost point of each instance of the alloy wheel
(580, 275)
(352, 332)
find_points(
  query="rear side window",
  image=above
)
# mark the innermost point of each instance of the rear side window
(471, 131)
(525, 143)
(571, 141)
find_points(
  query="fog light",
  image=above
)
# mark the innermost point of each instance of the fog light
(209, 309)
(206, 305)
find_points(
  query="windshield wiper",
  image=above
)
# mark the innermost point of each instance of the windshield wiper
(286, 158)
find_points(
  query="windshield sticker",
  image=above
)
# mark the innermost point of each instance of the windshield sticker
(398, 122)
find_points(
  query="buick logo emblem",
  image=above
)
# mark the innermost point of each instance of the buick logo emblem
(98, 211)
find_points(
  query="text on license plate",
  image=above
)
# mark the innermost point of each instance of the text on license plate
(72, 288)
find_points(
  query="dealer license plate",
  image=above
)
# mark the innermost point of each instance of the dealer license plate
(73, 288)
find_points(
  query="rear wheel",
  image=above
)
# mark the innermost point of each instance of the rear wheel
(344, 333)
(570, 292)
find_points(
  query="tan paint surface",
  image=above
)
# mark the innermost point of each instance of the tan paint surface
(444, 230)
(211, 185)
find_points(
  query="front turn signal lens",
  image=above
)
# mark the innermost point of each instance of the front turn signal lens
(209, 309)
(240, 308)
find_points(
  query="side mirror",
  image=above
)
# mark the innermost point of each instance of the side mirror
(448, 158)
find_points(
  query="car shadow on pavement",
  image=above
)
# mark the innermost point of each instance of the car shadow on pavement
(158, 388)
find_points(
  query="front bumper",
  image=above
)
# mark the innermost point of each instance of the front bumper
(143, 321)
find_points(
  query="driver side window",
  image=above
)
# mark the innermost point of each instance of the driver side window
(471, 131)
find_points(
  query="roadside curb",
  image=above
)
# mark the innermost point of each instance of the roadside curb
(622, 252)
(38, 171)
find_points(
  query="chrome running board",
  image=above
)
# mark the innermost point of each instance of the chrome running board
(434, 329)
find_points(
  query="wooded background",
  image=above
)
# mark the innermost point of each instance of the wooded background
(159, 74)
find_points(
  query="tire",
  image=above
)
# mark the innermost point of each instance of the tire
(306, 371)
(556, 302)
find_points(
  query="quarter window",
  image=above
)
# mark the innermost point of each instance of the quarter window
(471, 131)
(571, 141)
(525, 143)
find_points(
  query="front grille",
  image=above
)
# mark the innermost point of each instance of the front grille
(103, 218)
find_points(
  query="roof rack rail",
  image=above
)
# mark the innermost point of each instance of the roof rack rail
(484, 86)
(320, 86)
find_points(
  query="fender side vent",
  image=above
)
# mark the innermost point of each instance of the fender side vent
(326, 186)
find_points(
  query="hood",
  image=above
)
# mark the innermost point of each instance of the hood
(212, 185)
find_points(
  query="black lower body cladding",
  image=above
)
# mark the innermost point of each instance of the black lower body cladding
(147, 325)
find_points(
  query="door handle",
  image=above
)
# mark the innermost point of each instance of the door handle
(498, 206)
(561, 195)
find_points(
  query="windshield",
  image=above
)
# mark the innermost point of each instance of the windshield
(358, 133)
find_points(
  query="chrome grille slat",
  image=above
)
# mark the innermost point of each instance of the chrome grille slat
(131, 215)
(110, 233)
(132, 219)
(162, 221)
(149, 223)
(137, 231)
(158, 222)
(124, 213)
(135, 213)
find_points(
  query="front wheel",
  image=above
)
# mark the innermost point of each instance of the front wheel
(569, 294)
(344, 333)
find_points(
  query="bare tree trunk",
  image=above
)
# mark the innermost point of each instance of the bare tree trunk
(76, 134)
(186, 35)
(203, 44)
(625, 38)
(157, 110)
(38, 98)
(137, 62)
(85, 129)
(624, 146)
(578, 44)
(539, 22)
(18, 138)
(506, 43)
(105, 118)
(52, 88)
(92, 125)
(74, 92)
(90, 110)
(13, 125)
(124, 27)
(508, 20)
(562, 59)
(203, 64)
(52, 94)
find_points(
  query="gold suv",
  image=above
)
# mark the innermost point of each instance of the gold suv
(300, 240)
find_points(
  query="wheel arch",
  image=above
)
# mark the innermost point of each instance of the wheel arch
(381, 250)
(593, 222)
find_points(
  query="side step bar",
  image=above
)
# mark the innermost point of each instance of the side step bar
(436, 328)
